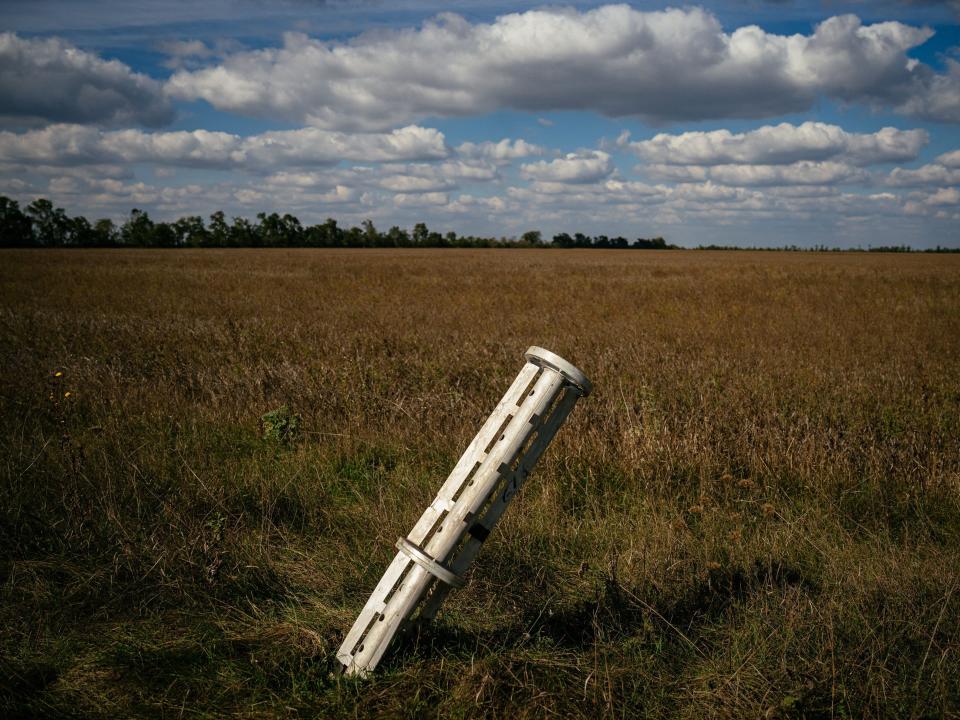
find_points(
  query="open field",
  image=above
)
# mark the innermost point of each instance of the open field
(757, 512)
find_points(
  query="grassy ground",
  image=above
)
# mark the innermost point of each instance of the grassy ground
(756, 514)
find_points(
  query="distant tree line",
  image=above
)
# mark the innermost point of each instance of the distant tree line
(825, 248)
(41, 224)
(579, 240)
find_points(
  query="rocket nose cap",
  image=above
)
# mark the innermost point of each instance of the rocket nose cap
(545, 358)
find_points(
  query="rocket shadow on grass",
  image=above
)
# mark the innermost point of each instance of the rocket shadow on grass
(615, 613)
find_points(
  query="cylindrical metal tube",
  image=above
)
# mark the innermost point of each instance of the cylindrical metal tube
(449, 534)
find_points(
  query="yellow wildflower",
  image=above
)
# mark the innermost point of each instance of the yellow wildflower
(67, 394)
(58, 373)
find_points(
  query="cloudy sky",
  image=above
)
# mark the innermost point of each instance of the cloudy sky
(744, 121)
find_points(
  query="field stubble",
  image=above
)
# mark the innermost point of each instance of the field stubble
(757, 512)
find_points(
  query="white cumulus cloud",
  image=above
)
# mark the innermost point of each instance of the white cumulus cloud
(500, 152)
(50, 80)
(579, 167)
(434, 177)
(421, 200)
(950, 159)
(782, 144)
(938, 98)
(66, 145)
(944, 196)
(415, 184)
(661, 66)
(798, 173)
(936, 173)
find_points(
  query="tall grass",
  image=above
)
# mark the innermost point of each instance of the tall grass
(757, 512)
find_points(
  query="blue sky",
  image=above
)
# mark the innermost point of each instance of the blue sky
(744, 122)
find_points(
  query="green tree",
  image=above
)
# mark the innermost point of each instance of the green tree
(50, 224)
(219, 235)
(420, 234)
(657, 243)
(371, 238)
(398, 237)
(164, 235)
(353, 237)
(138, 229)
(333, 233)
(292, 230)
(279, 231)
(531, 237)
(80, 233)
(105, 232)
(325, 235)
(15, 228)
(190, 231)
(270, 229)
(243, 233)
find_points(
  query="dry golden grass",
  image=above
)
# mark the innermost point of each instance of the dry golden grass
(757, 512)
